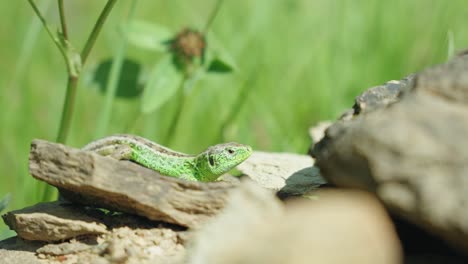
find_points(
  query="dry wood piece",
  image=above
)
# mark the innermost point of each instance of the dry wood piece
(88, 178)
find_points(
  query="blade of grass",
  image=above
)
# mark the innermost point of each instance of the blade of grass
(112, 82)
(27, 47)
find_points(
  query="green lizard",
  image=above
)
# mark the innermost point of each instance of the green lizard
(206, 166)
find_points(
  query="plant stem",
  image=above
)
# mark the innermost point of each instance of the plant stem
(74, 63)
(27, 48)
(68, 107)
(113, 80)
(178, 113)
(213, 14)
(71, 83)
(52, 36)
(95, 32)
(62, 19)
(49, 191)
(238, 105)
(67, 111)
(450, 45)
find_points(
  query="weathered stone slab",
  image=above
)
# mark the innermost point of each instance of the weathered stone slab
(15, 250)
(290, 173)
(91, 179)
(135, 244)
(52, 222)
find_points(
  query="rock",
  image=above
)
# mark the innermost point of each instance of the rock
(355, 224)
(446, 82)
(15, 250)
(91, 179)
(52, 222)
(317, 132)
(135, 242)
(118, 246)
(411, 152)
(230, 236)
(291, 174)
(255, 228)
(422, 247)
(381, 96)
(143, 246)
(65, 248)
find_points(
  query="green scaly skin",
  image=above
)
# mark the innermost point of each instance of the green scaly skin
(205, 167)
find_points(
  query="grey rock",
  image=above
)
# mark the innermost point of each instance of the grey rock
(52, 222)
(412, 152)
(448, 81)
(138, 244)
(381, 96)
(317, 132)
(91, 179)
(231, 236)
(65, 248)
(289, 173)
(16, 250)
(256, 228)
(157, 245)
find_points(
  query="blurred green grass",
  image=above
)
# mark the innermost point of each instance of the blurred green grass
(302, 61)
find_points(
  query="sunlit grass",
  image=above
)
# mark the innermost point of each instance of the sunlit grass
(300, 62)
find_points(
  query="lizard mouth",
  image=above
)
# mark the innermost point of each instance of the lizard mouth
(243, 154)
(247, 153)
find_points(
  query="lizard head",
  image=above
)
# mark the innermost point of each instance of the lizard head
(221, 158)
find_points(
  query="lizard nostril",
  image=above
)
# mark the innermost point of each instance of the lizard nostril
(230, 151)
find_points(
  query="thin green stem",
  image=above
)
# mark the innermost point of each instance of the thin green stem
(62, 19)
(238, 105)
(68, 107)
(26, 50)
(111, 88)
(74, 63)
(67, 112)
(113, 80)
(450, 45)
(49, 31)
(213, 14)
(175, 119)
(95, 32)
(41, 17)
(48, 190)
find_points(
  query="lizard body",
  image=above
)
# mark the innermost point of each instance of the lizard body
(206, 166)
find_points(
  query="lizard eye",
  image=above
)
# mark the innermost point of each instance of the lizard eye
(211, 160)
(230, 151)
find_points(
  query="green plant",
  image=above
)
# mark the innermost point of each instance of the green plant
(74, 62)
(185, 60)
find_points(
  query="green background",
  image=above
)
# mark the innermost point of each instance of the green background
(299, 61)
